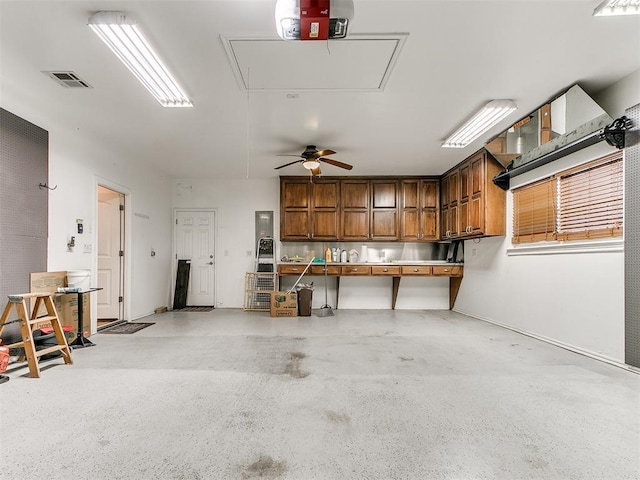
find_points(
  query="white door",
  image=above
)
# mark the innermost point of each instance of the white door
(110, 224)
(195, 241)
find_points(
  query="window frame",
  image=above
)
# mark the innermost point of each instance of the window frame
(558, 241)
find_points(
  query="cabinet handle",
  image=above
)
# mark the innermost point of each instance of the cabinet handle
(415, 270)
(354, 270)
(385, 269)
(446, 269)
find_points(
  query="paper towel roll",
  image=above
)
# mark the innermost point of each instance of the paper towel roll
(364, 254)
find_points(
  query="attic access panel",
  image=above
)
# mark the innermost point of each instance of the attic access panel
(357, 63)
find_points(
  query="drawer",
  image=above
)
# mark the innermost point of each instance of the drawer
(386, 270)
(447, 271)
(319, 270)
(416, 270)
(291, 269)
(355, 270)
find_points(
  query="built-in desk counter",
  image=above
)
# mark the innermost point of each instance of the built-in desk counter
(396, 270)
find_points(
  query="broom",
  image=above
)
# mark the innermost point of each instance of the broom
(325, 310)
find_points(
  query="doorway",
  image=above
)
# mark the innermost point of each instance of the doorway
(110, 237)
(195, 242)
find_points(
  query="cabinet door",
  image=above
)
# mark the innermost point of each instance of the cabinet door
(410, 210)
(444, 192)
(454, 231)
(295, 219)
(464, 182)
(429, 193)
(324, 209)
(354, 221)
(476, 209)
(294, 193)
(384, 210)
(454, 192)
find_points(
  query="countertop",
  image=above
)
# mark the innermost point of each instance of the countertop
(391, 263)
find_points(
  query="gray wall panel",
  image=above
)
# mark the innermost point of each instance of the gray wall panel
(632, 240)
(24, 163)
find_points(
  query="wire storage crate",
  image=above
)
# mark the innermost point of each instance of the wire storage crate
(257, 290)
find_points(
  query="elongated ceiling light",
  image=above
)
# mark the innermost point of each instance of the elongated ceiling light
(487, 117)
(121, 33)
(617, 7)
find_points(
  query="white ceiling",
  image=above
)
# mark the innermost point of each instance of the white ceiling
(456, 56)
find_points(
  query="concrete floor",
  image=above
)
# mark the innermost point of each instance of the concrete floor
(361, 395)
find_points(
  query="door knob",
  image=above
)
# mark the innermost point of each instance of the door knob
(210, 263)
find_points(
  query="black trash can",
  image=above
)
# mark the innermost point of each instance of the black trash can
(304, 301)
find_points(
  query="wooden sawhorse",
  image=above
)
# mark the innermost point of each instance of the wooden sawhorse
(28, 323)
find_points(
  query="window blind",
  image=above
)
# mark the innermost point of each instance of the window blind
(591, 202)
(577, 204)
(534, 212)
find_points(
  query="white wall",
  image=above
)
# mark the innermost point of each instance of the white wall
(76, 165)
(235, 203)
(576, 299)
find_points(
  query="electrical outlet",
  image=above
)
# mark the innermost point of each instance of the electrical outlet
(249, 253)
(87, 248)
(473, 252)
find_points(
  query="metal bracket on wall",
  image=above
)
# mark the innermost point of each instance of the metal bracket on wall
(44, 185)
(614, 134)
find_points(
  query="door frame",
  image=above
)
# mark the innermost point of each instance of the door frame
(126, 264)
(174, 252)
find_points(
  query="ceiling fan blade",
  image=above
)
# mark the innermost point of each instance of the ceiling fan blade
(322, 153)
(336, 163)
(316, 171)
(287, 164)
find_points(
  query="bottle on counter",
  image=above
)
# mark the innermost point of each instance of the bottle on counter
(343, 256)
(336, 255)
(327, 255)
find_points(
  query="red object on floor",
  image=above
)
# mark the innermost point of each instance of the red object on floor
(4, 358)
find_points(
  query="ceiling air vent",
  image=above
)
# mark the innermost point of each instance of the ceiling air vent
(68, 79)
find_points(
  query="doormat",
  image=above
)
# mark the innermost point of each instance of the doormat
(126, 328)
(194, 309)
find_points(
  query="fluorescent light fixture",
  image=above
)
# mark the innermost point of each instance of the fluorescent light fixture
(122, 35)
(617, 7)
(487, 117)
(311, 164)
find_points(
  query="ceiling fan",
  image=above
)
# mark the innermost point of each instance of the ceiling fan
(311, 158)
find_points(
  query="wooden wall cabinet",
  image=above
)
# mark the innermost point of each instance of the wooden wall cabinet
(325, 213)
(472, 206)
(354, 221)
(384, 210)
(419, 220)
(295, 209)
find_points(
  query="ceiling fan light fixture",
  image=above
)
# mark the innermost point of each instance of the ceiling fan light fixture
(617, 7)
(121, 34)
(488, 116)
(311, 164)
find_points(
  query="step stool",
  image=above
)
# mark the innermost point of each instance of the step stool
(28, 324)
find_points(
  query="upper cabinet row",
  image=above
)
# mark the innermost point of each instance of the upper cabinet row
(462, 203)
(359, 209)
(470, 204)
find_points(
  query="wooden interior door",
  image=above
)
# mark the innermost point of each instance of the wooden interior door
(110, 260)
